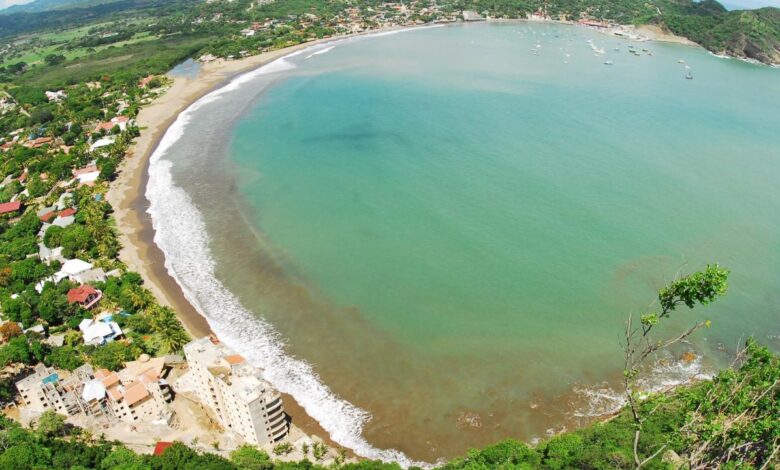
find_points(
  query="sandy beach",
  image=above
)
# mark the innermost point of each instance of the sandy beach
(127, 196)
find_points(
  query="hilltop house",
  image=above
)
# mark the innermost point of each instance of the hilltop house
(86, 296)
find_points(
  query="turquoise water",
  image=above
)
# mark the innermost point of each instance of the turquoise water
(451, 229)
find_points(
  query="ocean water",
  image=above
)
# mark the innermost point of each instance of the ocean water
(432, 238)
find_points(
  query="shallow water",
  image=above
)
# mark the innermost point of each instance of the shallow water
(448, 229)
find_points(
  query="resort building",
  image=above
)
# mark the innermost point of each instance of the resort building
(235, 391)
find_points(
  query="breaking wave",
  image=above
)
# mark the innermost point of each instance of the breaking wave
(181, 234)
(321, 51)
(603, 400)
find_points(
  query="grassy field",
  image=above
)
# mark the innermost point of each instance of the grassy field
(35, 55)
(147, 53)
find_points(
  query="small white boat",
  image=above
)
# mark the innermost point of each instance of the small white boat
(689, 76)
(680, 61)
(608, 62)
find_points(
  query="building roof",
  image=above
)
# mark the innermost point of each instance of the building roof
(64, 221)
(47, 216)
(151, 367)
(39, 142)
(75, 266)
(85, 170)
(235, 359)
(93, 390)
(97, 330)
(135, 393)
(110, 380)
(80, 295)
(7, 207)
(114, 393)
(161, 446)
(67, 212)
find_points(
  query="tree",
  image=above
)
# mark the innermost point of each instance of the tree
(53, 236)
(51, 424)
(112, 355)
(53, 304)
(54, 59)
(9, 330)
(41, 115)
(75, 238)
(699, 288)
(16, 351)
(64, 357)
(179, 456)
(122, 458)
(248, 457)
(167, 326)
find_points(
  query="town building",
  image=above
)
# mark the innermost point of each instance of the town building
(235, 392)
(45, 390)
(137, 393)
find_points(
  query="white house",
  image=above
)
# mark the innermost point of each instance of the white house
(98, 332)
(103, 142)
(88, 174)
(70, 269)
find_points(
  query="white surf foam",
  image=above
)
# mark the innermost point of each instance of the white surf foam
(321, 51)
(180, 233)
(604, 400)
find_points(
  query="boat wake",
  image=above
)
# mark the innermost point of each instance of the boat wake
(181, 234)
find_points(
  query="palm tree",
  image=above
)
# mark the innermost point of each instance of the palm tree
(170, 331)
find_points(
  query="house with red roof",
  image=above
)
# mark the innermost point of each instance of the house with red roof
(39, 142)
(48, 216)
(85, 295)
(67, 212)
(160, 447)
(120, 121)
(9, 207)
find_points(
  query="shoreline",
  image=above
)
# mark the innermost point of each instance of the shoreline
(127, 196)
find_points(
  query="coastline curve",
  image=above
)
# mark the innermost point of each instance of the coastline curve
(188, 261)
